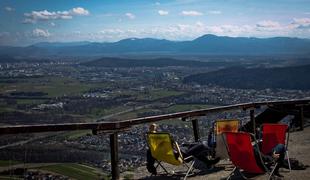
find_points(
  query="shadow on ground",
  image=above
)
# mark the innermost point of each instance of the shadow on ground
(180, 175)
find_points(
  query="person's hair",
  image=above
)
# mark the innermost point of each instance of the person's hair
(153, 127)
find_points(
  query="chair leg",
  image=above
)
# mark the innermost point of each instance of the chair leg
(189, 170)
(162, 167)
(271, 173)
(232, 172)
(288, 161)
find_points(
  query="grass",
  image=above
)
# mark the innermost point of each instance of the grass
(76, 134)
(4, 163)
(10, 178)
(133, 114)
(76, 171)
(6, 109)
(54, 86)
(99, 112)
(157, 94)
(29, 101)
(171, 109)
(187, 107)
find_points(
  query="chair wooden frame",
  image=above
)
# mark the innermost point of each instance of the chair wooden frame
(166, 145)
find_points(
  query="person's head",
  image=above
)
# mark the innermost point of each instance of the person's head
(153, 127)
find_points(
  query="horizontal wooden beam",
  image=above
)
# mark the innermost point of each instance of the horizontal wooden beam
(120, 125)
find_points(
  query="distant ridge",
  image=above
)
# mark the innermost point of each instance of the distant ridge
(207, 44)
(159, 62)
(296, 77)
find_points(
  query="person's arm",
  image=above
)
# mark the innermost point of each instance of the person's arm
(275, 155)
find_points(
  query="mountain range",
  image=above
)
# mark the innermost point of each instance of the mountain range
(207, 45)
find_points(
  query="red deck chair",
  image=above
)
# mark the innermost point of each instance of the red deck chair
(274, 134)
(221, 126)
(241, 154)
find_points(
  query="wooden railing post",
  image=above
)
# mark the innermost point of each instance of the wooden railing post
(114, 156)
(195, 129)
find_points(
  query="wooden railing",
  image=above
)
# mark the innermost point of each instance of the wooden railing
(113, 128)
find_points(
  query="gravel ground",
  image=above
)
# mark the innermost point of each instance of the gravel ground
(299, 148)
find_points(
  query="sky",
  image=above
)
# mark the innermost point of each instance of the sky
(25, 22)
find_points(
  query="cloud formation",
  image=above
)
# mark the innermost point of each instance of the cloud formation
(163, 13)
(9, 9)
(45, 15)
(130, 15)
(267, 28)
(41, 33)
(215, 12)
(80, 11)
(268, 25)
(190, 31)
(301, 23)
(191, 13)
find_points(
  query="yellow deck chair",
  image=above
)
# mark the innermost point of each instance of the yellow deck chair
(221, 126)
(161, 147)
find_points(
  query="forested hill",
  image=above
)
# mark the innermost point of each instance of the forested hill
(159, 62)
(207, 45)
(296, 77)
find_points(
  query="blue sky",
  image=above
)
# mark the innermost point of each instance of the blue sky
(25, 22)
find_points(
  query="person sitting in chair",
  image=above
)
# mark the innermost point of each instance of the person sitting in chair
(197, 150)
(276, 155)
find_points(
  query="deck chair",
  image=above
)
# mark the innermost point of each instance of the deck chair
(161, 147)
(273, 134)
(241, 154)
(227, 125)
(221, 126)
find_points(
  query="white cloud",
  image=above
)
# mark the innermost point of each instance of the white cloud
(29, 21)
(9, 9)
(199, 24)
(80, 11)
(191, 13)
(40, 33)
(130, 15)
(163, 13)
(215, 12)
(268, 25)
(301, 23)
(157, 3)
(185, 31)
(45, 15)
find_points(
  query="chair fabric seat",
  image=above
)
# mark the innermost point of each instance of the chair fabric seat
(241, 152)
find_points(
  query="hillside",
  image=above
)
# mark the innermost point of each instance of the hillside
(160, 62)
(207, 45)
(256, 78)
